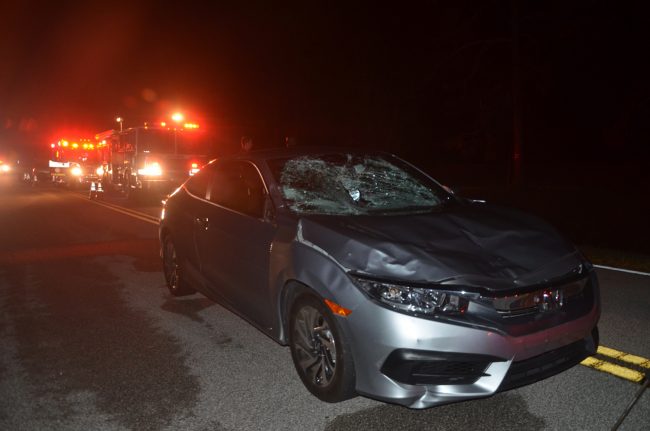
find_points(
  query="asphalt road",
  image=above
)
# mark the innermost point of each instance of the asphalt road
(91, 339)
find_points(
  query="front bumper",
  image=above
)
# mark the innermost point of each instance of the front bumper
(420, 363)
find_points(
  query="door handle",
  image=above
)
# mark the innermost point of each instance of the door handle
(202, 222)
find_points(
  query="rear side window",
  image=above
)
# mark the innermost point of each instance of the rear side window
(237, 185)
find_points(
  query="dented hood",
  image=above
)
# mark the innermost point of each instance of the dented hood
(479, 245)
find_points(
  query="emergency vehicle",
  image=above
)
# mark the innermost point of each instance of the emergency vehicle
(151, 161)
(75, 162)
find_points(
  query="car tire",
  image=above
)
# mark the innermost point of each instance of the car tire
(320, 354)
(173, 270)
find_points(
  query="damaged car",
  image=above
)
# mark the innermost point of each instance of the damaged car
(381, 281)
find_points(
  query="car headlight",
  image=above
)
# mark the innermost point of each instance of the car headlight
(100, 171)
(4, 168)
(76, 171)
(426, 301)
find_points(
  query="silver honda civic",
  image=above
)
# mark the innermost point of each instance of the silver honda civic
(381, 281)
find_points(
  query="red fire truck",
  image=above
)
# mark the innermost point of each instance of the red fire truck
(75, 162)
(151, 161)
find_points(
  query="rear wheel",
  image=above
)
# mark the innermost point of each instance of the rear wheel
(173, 270)
(320, 354)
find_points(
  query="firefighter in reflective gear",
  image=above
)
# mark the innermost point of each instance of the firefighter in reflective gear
(96, 190)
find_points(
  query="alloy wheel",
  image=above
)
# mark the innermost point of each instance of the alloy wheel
(315, 346)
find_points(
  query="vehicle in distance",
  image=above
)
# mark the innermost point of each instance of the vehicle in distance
(74, 163)
(151, 161)
(5, 168)
(381, 281)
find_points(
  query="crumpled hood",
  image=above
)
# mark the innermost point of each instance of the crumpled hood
(480, 245)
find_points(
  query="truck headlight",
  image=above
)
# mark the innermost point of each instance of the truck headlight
(100, 171)
(426, 301)
(76, 171)
(151, 169)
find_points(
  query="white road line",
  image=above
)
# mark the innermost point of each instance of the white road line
(611, 268)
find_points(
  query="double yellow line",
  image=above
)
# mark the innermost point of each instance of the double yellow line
(636, 376)
(123, 210)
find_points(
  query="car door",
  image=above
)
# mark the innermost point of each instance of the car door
(234, 239)
(189, 203)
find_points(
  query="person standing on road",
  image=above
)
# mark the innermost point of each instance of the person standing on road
(246, 144)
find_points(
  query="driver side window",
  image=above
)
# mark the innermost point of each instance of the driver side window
(237, 185)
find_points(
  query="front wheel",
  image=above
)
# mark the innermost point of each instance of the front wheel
(320, 354)
(173, 270)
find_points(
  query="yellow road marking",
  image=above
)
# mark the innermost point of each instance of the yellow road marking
(625, 357)
(616, 370)
(127, 211)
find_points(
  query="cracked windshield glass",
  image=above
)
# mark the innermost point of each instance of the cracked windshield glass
(348, 184)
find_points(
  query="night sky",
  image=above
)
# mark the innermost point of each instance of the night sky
(429, 80)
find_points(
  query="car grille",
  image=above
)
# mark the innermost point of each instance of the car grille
(519, 322)
(547, 299)
(549, 363)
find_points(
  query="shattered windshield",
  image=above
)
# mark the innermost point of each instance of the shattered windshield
(349, 184)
